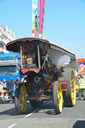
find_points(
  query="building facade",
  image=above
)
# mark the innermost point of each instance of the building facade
(5, 37)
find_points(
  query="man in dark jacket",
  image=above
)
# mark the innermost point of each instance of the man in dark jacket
(17, 81)
(10, 87)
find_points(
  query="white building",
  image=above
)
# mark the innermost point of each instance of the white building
(5, 37)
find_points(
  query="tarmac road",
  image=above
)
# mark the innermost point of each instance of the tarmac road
(44, 117)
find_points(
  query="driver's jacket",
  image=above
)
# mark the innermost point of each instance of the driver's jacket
(82, 84)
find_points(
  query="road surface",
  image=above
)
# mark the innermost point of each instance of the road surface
(43, 117)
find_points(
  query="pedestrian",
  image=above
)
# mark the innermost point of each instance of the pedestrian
(16, 84)
(10, 84)
(10, 87)
(17, 81)
(4, 83)
(5, 87)
(82, 87)
(4, 92)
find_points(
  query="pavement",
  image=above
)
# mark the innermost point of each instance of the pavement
(43, 117)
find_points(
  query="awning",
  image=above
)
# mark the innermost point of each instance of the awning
(80, 60)
(15, 45)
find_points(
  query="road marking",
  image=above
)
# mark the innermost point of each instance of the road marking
(32, 113)
(28, 115)
(12, 125)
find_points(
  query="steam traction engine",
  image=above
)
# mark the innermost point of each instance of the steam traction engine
(46, 74)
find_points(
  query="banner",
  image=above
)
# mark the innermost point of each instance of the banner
(42, 4)
(34, 18)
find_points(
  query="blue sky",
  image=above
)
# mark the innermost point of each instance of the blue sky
(64, 21)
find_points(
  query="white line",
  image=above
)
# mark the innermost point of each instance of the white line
(12, 125)
(28, 115)
(31, 113)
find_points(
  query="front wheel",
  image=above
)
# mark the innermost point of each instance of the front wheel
(20, 99)
(57, 98)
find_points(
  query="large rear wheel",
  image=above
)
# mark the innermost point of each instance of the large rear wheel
(70, 95)
(20, 99)
(57, 97)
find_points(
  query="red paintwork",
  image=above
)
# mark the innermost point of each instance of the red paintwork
(26, 70)
(64, 85)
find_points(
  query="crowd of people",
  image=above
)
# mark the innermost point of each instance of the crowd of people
(7, 88)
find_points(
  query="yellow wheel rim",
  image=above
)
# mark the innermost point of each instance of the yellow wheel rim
(60, 98)
(73, 88)
(22, 98)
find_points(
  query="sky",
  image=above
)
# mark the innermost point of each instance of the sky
(64, 21)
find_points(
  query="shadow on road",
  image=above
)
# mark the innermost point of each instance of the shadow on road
(79, 124)
(12, 111)
(48, 108)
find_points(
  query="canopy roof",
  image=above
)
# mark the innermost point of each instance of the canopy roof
(15, 45)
